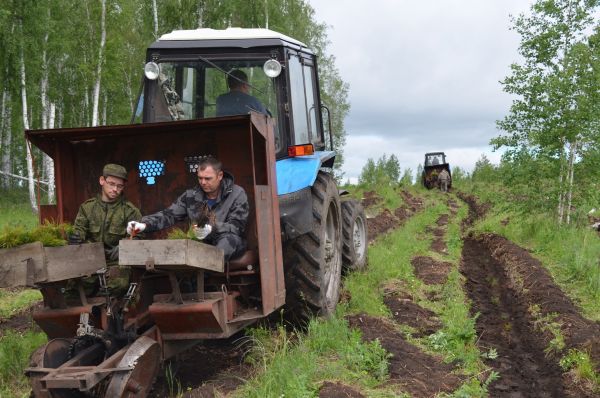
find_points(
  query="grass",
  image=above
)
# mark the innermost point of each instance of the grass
(15, 350)
(14, 301)
(15, 209)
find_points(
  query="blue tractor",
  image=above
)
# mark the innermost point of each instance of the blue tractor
(270, 135)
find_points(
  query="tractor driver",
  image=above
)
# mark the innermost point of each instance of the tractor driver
(238, 101)
(216, 191)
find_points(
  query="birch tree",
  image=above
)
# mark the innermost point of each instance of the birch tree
(549, 114)
(96, 95)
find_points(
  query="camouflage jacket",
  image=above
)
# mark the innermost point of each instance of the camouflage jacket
(231, 210)
(444, 175)
(99, 221)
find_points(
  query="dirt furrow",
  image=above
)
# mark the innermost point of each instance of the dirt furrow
(503, 326)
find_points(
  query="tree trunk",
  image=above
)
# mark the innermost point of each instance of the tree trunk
(5, 162)
(155, 18)
(30, 179)
(200, 14)
(561, 192)
(96, 96)
(571, 172)
(48, 162)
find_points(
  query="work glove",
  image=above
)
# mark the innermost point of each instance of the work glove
(74, 239)
(138, 227)
(202, 232)
(112, 254)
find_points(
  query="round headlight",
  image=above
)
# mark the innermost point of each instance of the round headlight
(151, 70)
(272, 68)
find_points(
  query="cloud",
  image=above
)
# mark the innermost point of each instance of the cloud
(424, 76)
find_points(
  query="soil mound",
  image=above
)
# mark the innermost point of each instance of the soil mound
(536, 287)
(417, 373)
(370, 198)
(386, 220)
(406, 312)
(476, 210)
(430, 271)
(338, 390)
(20, 322)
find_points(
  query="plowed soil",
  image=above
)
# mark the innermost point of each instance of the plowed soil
(415, 372)
(338, 390)
(430, 271)
(505, 284)
(19, 322)
(386, 220)
(406, 312)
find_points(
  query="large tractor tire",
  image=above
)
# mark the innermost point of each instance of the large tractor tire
(354, 236)
(313, 261)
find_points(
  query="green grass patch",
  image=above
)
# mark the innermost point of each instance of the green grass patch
(15, 350)
(581, 366)
(295, 364)
(15, 209)
(14, 301)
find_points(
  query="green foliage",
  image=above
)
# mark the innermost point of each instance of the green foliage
(15, 209)
(15, 350)
(386, 171)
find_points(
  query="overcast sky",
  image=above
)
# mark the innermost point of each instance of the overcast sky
(423, 76)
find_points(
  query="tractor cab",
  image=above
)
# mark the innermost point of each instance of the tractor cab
(187, 71)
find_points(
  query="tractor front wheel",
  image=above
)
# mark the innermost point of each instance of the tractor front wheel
(313, 261)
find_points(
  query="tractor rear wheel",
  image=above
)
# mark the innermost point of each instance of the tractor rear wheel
(354, 236)
(313, 261)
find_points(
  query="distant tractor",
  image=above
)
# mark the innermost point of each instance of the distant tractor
(434, 163)
(300, 233)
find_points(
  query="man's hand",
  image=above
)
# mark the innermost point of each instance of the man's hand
(112, 254)
(74, 239)
(134, 227)
(202, 232)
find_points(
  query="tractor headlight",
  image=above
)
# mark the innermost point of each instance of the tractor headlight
(272, 68)
(151, 70)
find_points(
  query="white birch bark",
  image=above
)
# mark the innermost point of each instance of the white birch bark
(48, 162)
(30, 179)
(155, 18)
(200, 15)
(104, 107)
(96, 95)
(561, 194)
(571, 173)
(5, 162)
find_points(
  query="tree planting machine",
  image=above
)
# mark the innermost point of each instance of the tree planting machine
(300, 234)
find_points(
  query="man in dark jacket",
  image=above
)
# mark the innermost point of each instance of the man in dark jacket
(238, 100)
(223, 226)
(104, 217)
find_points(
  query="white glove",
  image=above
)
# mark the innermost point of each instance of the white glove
(135, 226)
(202, 232)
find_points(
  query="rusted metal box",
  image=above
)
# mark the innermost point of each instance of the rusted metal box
(32, 263)
(171, 254)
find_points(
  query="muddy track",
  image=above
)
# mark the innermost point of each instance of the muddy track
(511, 291)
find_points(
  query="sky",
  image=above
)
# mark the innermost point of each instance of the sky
(423, 76)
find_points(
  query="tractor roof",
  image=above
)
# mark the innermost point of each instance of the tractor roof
(230, 37)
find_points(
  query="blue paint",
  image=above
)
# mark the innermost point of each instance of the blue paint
(151, 169)
(294, 174)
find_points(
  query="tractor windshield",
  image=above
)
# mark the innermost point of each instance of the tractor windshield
(187, 90)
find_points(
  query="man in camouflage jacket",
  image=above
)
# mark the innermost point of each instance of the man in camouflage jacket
(104, 217)
(217, 209)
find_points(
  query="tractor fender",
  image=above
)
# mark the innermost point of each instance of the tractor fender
(294, 174)
(295, 178)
